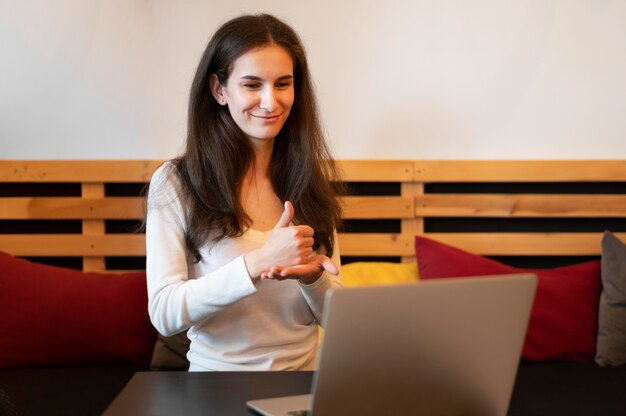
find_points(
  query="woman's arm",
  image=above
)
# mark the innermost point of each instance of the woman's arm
(176, 302)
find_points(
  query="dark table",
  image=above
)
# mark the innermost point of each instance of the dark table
(540, 389)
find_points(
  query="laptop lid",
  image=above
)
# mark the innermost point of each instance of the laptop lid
(449, 346)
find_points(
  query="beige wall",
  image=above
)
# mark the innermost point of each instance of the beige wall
(406, 79)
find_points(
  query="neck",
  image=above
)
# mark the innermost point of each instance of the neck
(262, 156)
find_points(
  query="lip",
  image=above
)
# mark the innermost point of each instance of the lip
(267, 118)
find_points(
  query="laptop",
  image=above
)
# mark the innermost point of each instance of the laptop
(436, 347)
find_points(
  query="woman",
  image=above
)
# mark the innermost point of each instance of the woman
(240, 229)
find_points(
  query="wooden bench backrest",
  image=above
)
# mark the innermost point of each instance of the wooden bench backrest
(411, 207)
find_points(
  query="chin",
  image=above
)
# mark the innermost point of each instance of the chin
(262, 137)
(266, 135)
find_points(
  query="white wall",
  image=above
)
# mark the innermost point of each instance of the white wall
(407, 79)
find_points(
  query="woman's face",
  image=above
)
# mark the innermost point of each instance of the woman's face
(259, 92)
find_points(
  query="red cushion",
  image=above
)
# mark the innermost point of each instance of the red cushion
(53, 316)
(564, 319)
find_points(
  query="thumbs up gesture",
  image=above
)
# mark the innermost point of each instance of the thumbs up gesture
(286, 217)
(288, 253)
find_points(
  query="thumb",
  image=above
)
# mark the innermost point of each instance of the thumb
(287, 216)
(329, 266)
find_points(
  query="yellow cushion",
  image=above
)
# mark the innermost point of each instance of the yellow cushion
(378, 273)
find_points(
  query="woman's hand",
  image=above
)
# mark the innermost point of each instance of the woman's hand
(307, 272)
(288, 245)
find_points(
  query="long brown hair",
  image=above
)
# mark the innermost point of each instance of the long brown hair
(218, 153)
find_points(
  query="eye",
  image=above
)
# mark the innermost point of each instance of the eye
(284, 84)
(252, 85)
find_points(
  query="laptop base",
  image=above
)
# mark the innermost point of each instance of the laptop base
(299, 405)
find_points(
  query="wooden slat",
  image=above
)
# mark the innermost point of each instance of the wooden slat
(378, 207)
(356, 244)
(413, 225)
(93, 227)
(77, 170)
(133, 207)
(350, 244)
(71, 208)
(376, 170)
(536, 244)
(73, 245)
(521, 171)
(526, 244)
(141, 170)
(557, 206)
(354, 170)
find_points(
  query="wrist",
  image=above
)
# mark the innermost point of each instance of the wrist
(252, 262)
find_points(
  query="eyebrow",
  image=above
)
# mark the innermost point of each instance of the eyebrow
(255, 78)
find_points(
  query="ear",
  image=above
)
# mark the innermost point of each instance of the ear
(217, 90)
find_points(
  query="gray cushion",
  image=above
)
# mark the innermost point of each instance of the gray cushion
(170, 353)
(611, 347)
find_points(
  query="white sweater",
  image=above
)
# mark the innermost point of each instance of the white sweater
(233, 323)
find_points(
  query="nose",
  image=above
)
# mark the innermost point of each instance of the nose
(268, 100)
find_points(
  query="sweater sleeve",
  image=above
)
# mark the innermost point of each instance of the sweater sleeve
(315, 293)
(176, 302)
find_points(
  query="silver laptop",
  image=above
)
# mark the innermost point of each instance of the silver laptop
(437, 347)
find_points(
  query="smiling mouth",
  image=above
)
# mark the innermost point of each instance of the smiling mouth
(267, 118)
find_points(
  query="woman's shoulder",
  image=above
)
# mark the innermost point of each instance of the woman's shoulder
(165, 182)
(165, 171)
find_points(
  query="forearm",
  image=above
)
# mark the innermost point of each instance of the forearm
(176, 303)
